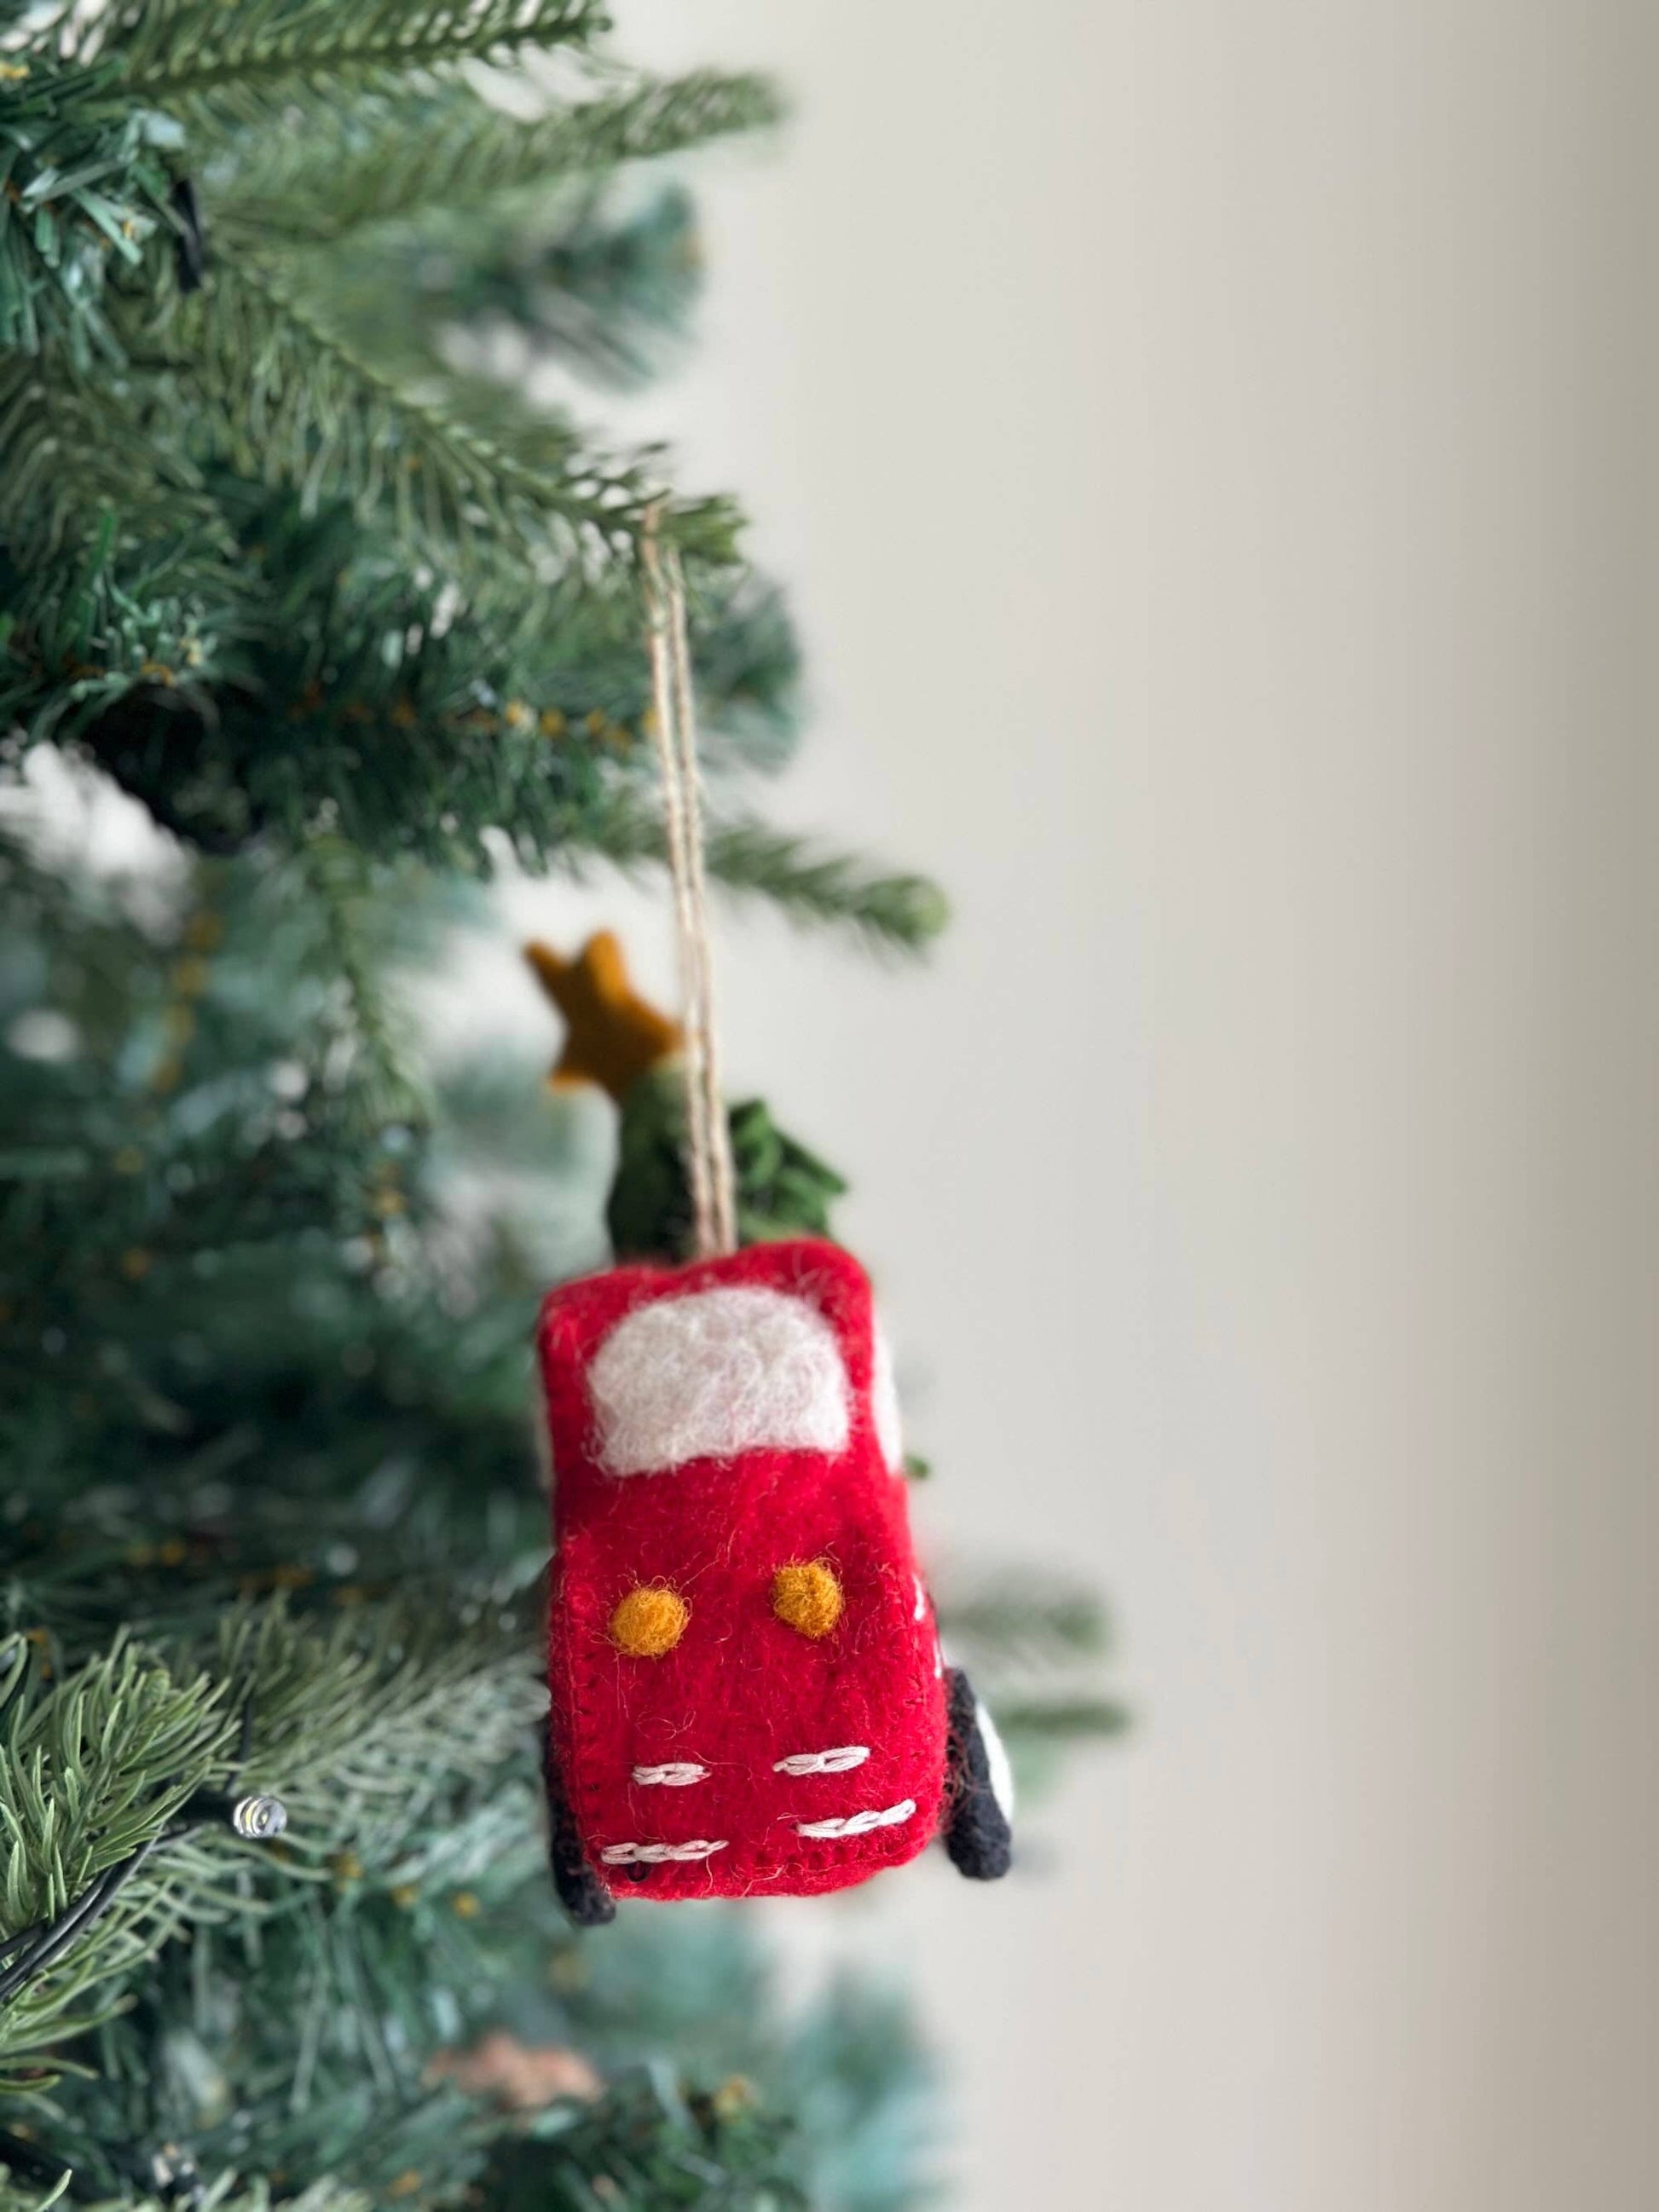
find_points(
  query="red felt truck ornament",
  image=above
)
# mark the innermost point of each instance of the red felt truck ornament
(749, 1698)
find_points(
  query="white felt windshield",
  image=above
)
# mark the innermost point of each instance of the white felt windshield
(717, 1373)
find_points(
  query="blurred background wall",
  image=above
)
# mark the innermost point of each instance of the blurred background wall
(1209, 445)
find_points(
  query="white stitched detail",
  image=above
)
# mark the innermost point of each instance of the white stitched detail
(921, 1599)
(822, 1762)
(678, 1774)
(656, 1854)
(858, 1824)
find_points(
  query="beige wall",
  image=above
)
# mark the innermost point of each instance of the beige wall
(1208, 442)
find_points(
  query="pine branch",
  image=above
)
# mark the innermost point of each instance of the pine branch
(1025, 1620)
(603, 282)
(370, 1725)
(18, 2196)
(297, 401)
(609, 292)
(367, 1727)
(179, 52)
(320, 680)
(452, 150)
(82, 189)
(77, 468)
(1032, 1642)
(299, 404)
(1063, 1720)
(118, 572)
(901, 913)
(387, 1089)
(662, 2147)
(91, 1772)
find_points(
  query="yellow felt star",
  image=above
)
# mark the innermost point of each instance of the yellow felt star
(612, 1035)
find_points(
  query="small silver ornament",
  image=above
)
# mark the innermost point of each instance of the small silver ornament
(258, 1819)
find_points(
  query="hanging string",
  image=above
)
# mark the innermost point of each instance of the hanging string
(674, 714)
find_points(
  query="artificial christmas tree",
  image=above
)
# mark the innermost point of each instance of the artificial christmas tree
(350, 625)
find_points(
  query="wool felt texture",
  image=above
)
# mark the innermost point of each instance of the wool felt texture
(808, 1597)
(713, 1373)
(819, 1758)
(648, 1623)
(583, 1895)
(977, 1831)
(612, 1037)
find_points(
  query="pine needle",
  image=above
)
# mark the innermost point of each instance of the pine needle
(299, 401)
(208, 51)
(449, 149)
(897, 913)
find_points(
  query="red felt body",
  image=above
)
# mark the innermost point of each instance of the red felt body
(742, 1689)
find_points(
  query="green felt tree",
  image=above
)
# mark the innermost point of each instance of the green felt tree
(284, 559)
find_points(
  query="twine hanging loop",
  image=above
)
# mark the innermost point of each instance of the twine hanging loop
(674, 715)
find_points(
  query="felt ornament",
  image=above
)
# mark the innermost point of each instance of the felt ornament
(748, 1696)
(518, 2077)
(748, 1693)
(615, 1039)
(612, 1035)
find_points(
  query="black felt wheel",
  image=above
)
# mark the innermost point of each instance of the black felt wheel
(585, 1898)
(977, 1833)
